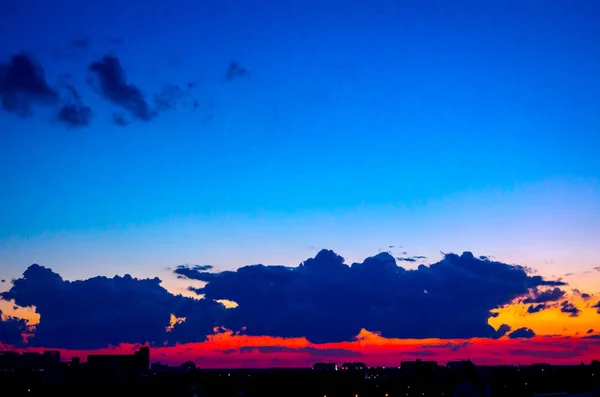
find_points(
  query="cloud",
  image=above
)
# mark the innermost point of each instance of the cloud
(12, 330)
(23, 84)
(73, 112)
(590, 331)
(193, 271)
(501, 331)
(313, 351)
(325, 300)
(567, 307)
(597, 268)
(322, 299)
(536, 308)
(453, 346)
(524, 332)
(114, 87)
(103, 311)
(414, 258)
(235, 70)
(80, 43)
(596, 306)
(558, 354)
(544, 296)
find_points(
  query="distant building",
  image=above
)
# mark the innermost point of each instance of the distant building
(29, 360)
(120, 364)
(418, 364)
(328, 367)
(354, 367)
(470, 382)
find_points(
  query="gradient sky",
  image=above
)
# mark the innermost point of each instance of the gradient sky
(429, 126)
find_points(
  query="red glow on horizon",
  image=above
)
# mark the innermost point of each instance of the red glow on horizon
(229, 350)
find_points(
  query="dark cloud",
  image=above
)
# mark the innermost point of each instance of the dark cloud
(453, 346)
(73, 112)
(114, 87)
(501, 331)
(410, 258)
(80, 43)
(583, 295)
(105, 311)
(326, 300)
(536, 308)
(545, 296)
(12, 330)
(558, 354)
(567, 307)
(23, 84)
(596, 306)
(313, 351)
(115, 41)
(597, 268)
(120, 119)
(236, 70)
(193, 271)
(524, 333)
(494, 314)
(406, 259)
(590, 331)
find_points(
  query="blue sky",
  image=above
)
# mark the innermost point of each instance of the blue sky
(439, 126)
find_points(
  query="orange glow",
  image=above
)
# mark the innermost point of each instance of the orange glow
(174, 321)
(550, 321)
(227, 303)
(10, 309)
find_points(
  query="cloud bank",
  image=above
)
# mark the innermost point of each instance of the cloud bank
(323, 299)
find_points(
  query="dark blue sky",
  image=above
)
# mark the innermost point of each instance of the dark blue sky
(445, 125)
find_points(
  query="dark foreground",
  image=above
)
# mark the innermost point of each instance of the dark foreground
(34, 374)
(440, 381)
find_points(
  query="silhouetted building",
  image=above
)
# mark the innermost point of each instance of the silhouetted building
(354, 367)
(325, 367)
(470, 382)
(29, 360)
(120, 365)
(418, 364)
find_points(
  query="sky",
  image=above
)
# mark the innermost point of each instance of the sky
(275, 183)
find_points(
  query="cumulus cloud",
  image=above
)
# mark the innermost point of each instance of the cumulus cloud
(105, 311)
(544, 296)
(325, 300)
(12, 330)
(322, 299)
(113, 85)
(571, 309)
(596, 306)
(501, 331)
(523, 332)
(74, 112)
(536, 308)
(236, 70)
(23, 84)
